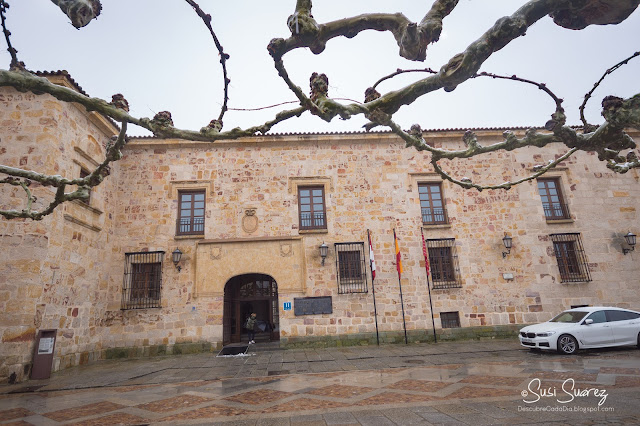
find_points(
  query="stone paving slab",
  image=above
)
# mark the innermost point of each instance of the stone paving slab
(466, 383)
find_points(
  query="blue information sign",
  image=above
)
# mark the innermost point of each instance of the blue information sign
(286, 306)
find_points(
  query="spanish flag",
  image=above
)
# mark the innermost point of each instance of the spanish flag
(398, 256)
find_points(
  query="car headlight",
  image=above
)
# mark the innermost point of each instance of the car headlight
(546, 334)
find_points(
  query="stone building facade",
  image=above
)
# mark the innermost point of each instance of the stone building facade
(249, 217)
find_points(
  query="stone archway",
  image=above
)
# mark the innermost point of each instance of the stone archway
(247, 293)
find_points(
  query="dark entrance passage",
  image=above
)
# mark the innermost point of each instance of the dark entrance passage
(243, 295)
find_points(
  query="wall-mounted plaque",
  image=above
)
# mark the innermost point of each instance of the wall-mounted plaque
(312, 305)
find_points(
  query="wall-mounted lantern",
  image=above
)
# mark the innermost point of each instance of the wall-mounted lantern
(176, 256)
(631, 241)
(507, 240)
(324, 249)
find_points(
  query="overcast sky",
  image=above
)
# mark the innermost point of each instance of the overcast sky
(161, 57)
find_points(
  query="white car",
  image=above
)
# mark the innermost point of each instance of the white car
(583, 328)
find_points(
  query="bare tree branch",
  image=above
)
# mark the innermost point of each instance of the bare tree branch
(595, 86)
(15, 63)
(84, 184)
(81, 12)
(206, 18)
(25, 81)
(412, 38)
(608, 140)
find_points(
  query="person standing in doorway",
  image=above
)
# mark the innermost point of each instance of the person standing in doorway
(250, 325)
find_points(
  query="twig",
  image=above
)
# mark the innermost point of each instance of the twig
(540, 86)
(206, 18)
(12, 51)
(595, 86)
(400, 71)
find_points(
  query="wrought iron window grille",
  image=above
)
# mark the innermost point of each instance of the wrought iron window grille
(351, 268)
(142, 286)
(450, 319)
(572, 260)
(443, 262)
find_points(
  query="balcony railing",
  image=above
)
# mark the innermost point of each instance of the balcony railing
(189, 226)
(315, 221)
(553, 211)
(432, 216)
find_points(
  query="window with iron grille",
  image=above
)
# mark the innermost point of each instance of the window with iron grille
(450, 319)
(572, 261)
(84, 174)
(142, 280)
(350, 264)
(443, 262)
(312, 210)
(191, 212)
(552, 201)
(432, 204)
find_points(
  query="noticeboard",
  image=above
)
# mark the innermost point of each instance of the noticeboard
(312, 305)
(43, 354)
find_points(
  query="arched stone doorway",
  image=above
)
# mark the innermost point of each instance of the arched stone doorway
(244, 294)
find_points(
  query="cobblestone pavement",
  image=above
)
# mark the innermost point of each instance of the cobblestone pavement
(493, 382)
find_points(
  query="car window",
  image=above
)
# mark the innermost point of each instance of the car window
(569, 316)
(597, 317)
(621, 315)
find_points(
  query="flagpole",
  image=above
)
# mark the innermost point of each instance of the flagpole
(373, 288)
(399, 268)
(426, 266)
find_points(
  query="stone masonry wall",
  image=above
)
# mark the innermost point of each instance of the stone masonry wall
(52, 274)
(372, 184)
(66, 271)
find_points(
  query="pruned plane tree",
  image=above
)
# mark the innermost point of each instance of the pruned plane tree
(613, 146)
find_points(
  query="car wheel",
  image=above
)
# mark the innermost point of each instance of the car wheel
(567, 344)
(638, 341)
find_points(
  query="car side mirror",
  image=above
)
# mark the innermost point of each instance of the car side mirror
(588, 321)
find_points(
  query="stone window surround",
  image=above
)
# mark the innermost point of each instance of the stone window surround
(190, 227)
(190, 185)
(559, 173)
(326, 182)
(88, 164)
(415, 179)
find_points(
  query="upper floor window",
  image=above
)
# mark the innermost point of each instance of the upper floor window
(443, 262)
(312, 210)
(572, 261)
(191, 212)
(84, 174)
(432, 204)
(552, 201)
(352, 273)
(142, 280)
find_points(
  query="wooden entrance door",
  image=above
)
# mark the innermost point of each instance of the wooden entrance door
(249, 293)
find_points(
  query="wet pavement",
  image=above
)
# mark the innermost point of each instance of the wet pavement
(489, 382)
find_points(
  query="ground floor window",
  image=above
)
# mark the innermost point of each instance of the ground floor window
(450, 319)
(350, 264)
(572, 260)
(142, 280)
(443, 262)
